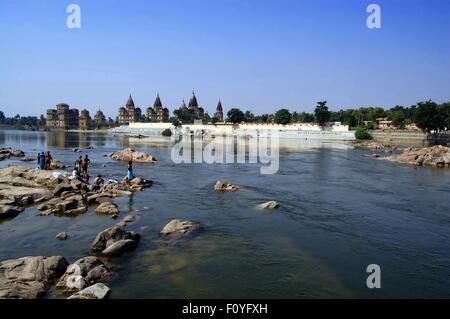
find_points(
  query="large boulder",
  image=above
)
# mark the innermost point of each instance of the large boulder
(107, 208)
(29, 277)
(83, 273)
(63, 187)
(128, 154)
(225, 187)
(110, 236)
(97, 291)
(177, 226)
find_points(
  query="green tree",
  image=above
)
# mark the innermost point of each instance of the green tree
(175, 122)
(283, 116)
(321, 113)
(427, 116)
(235, 116)
(398, 118)
(206, 118)
(249, 117)
(444, 111)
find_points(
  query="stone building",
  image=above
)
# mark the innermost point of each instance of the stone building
(62, 117)
(52, 118)
(197, 110)
(129, 113)
(158, 113)
(99, 119)
(219, 112)
(85, 120)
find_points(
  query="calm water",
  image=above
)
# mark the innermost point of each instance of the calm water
(340, 211)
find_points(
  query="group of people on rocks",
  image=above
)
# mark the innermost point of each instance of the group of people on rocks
(80, 171)
(44, 160)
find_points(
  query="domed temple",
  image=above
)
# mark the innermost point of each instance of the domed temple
(219, 112)
(129, 113)
(158, 113)
(193, 105)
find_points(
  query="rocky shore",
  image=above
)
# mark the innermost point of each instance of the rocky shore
(374, 145)
(434, 156)
(55, 193)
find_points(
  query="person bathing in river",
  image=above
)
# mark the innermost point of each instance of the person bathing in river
(85, 177)
(86, 163)
(98, 180)
(75, 174)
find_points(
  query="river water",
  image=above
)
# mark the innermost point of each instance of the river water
(340, 211)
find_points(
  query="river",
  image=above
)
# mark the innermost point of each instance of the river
(340, 211)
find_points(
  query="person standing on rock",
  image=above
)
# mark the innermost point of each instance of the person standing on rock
(42, 161)
(48, 161)
(38, 161)
(86, 163)
(130, 174)
(78, 163)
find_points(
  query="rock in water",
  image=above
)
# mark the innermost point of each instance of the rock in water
(225, 187)
(120, 247)
(29, 277)
(83, 273)
(112, 235)
(129, 154)
(7, 211)
(97, 291)
(269, 205)
(7, 152)
(107, 208)
(61, 236)
(176, 226)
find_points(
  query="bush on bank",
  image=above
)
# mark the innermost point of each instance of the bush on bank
(166, 132)
(362, 133)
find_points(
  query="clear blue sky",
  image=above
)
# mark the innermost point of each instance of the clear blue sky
(253, 54)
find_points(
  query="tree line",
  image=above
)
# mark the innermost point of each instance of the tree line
(22, 121)
(428, 116)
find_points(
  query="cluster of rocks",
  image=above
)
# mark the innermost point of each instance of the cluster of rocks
(29, 277)
(21, 187)
(128, 154)
(82, 274)
(374, 145)
(7, 152)
(436, 156)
